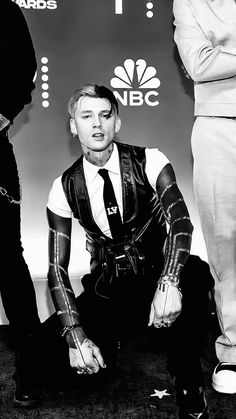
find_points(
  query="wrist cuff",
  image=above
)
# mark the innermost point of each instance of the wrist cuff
(67, 329)
(169, 279)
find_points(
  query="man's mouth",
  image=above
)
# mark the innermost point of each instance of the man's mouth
(98, 135)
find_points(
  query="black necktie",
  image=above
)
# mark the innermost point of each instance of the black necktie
(111, 206)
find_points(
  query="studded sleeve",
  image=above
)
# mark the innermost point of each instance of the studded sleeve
(180, 229)
(58, 280)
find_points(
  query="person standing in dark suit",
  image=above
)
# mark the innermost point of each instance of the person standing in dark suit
(17, 70)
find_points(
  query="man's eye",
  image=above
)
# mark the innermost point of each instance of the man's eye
(85, 116)
(106, 115)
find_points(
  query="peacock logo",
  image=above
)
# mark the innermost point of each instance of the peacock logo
(133, 77)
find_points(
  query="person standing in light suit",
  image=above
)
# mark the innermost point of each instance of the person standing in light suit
(205, 34)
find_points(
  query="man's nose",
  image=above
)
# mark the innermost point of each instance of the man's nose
(97, 121)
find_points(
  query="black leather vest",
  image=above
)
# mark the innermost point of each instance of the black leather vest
(144, 225)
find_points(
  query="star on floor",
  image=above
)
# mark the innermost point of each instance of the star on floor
(160, 394)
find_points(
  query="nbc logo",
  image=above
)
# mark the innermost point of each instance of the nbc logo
(133, 76)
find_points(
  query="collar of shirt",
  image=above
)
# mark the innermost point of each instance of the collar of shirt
(112, 165)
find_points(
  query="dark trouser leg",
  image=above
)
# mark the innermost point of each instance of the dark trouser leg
(16, 287)
(132, 300)
(187, 335)
(18, 295)
(186, 340)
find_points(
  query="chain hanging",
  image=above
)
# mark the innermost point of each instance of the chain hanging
(3, 192)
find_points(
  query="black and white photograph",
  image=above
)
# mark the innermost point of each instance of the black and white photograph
(118, 209)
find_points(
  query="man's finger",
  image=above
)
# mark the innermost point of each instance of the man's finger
(151, 316)
(98, 357)
(89, 370)
(93, 364)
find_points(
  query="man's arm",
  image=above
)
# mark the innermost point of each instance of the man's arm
(179, 238)
(202, 60)
(84, 355)
(18, 62)
(58, 280)
(166, 304)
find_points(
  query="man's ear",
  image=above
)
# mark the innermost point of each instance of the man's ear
(73, 127)
(118, 125)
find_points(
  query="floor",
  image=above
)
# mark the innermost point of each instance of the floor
(129, 395)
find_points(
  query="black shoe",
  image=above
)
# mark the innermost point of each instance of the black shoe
(25, 397)
(192, 404)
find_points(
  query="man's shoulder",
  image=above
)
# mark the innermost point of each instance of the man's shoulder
(134, 152)
(131, 147)
(10, 13)
(73, 168)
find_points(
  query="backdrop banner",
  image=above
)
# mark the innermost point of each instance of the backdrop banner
(126, 45)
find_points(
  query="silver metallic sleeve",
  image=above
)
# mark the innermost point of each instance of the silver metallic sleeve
(178, 244)
(58, 280)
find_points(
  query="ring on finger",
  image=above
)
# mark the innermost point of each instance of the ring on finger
(80, 372)
(168, 323)
(157, 324)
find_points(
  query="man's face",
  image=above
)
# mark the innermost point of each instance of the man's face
(93, 123)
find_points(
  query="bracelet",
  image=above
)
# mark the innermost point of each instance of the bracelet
(169, 279)
(67, 329)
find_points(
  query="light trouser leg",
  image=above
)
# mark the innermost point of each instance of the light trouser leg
(214, 153)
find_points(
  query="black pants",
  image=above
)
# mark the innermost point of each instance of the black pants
(16, 287)
(104, 321)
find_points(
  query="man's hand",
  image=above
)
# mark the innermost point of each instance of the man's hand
(84, 355)
(166, 306)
